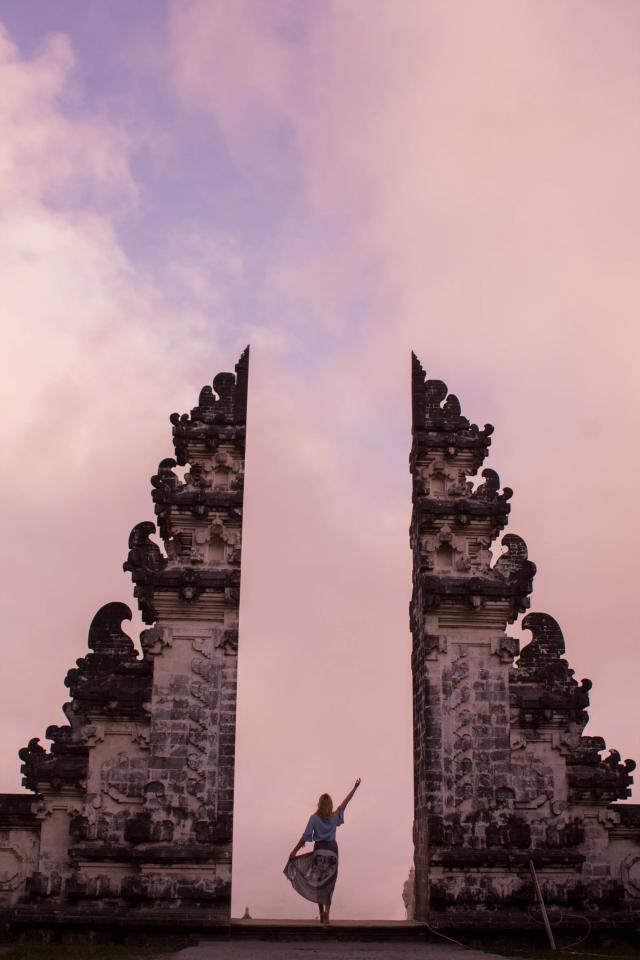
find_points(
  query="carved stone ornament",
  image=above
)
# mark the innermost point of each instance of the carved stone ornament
(11, 868)
(630, 874)
(190, 586)
(505, 648)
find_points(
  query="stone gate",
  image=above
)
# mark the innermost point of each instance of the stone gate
(130, 819)
(503, 773)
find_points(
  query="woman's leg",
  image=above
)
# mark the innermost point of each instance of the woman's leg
(322, 912)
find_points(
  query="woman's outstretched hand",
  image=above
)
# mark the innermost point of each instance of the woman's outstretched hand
(350, 794)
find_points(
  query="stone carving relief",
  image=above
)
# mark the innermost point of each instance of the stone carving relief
(630, 874)
(444, 551)
(437, 478)
(565, 832)
(216, 543)
(11, 868)
(433, 645)
(123, 777)
(505, 648)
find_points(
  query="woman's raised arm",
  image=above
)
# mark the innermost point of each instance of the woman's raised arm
(350, 794)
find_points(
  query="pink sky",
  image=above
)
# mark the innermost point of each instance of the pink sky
(336, 183)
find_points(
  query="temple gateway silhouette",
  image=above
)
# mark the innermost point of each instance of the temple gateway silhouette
(129, 818)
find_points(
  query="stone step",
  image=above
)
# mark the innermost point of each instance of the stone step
(381, 930)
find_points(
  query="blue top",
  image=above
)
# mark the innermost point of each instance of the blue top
(320, 829)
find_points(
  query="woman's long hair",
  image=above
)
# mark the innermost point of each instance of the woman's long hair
(325, 806)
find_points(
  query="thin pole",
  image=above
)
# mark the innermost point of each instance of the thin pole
(547, 925)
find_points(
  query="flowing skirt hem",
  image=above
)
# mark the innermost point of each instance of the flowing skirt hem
(313, 875)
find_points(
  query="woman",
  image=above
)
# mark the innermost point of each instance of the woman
(313, 875)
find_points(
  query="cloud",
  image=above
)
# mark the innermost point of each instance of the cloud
(47, 155)
(91, 341)
(86, 325)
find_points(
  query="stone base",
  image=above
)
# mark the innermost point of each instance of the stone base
(115, 925)
(157, 919)
(363, 930)
(470, 920)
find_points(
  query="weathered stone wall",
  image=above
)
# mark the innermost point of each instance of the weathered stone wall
(133, 807)
(503, 773)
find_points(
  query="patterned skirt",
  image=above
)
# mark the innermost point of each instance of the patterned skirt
(313, 875)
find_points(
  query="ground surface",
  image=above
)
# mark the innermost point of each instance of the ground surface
(327, 950)
(249, 949)
(344, 940)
